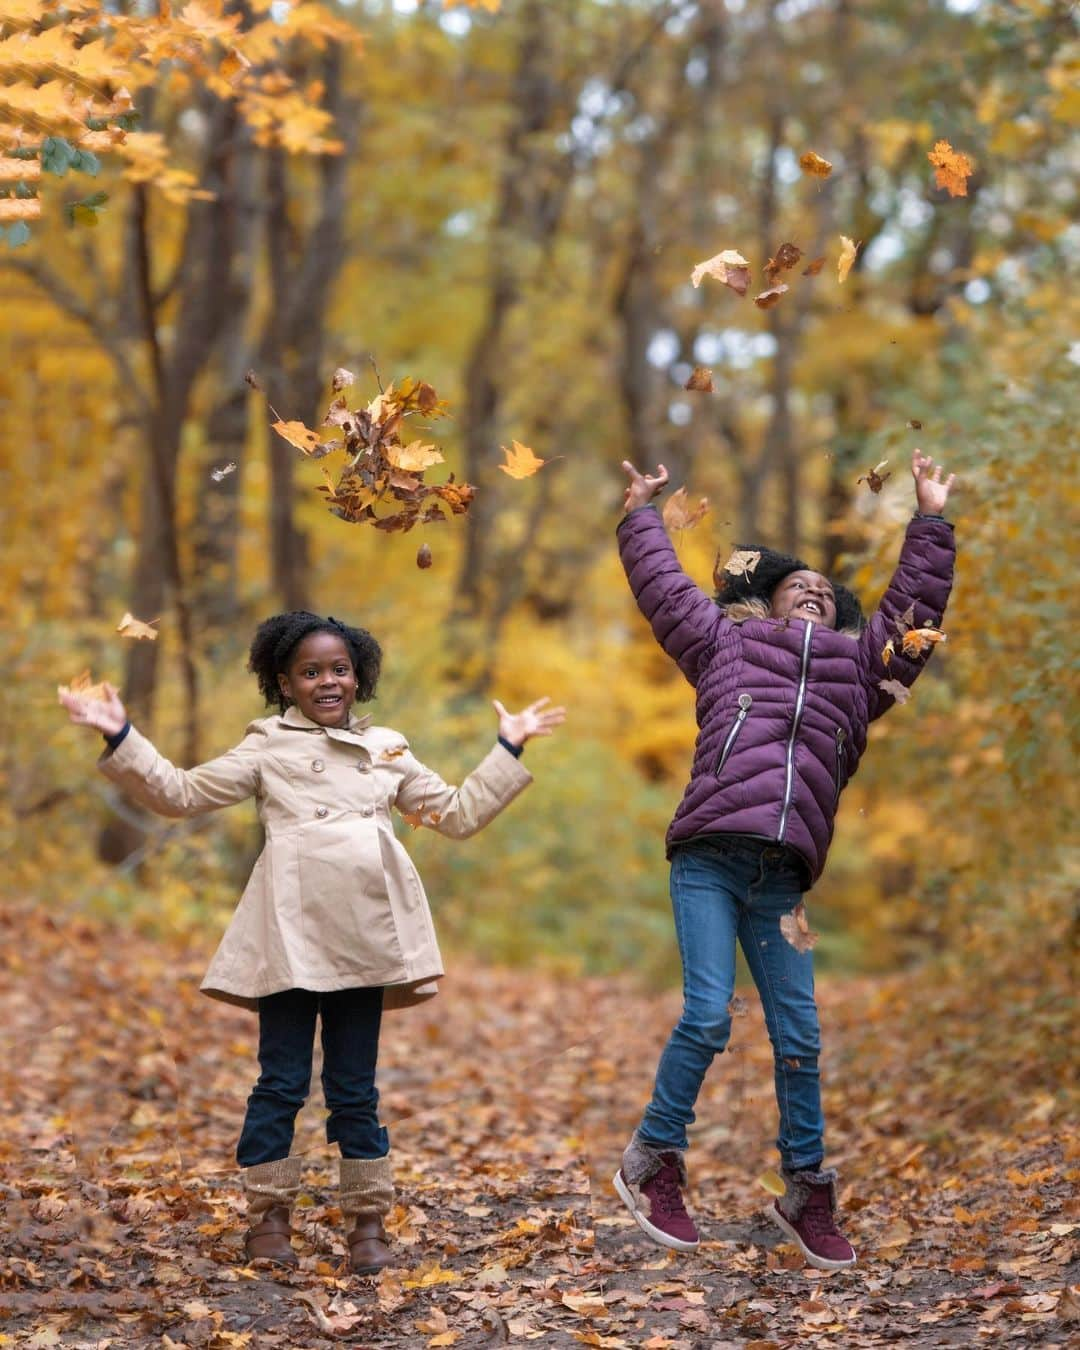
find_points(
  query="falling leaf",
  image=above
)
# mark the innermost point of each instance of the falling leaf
(813, 164)
(895, 690)
(769, 1181)
(299, 435)
(787, 255)
(874, 479)
(520, 461)
(251, 378)
(679, 514)
(796, 929)
(131, 627)
(415, 455)
(423, 556)
(218, 474)
(700, 380)
(915, 424)
(342, 379)
(771, 297)
(848, 249)
(83, 687)
(888, 652)
(737, 1006)
(952, 168)
(729, 267)
(812, 269)
(742, 562)
(918, 640)
(233, 66)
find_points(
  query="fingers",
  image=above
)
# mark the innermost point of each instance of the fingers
(535, 707)
(499, 708)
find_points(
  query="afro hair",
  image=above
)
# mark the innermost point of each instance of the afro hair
(760, 582)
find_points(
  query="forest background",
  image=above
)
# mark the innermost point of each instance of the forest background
(508, 203)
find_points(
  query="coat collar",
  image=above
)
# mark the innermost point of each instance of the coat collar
(353, 733)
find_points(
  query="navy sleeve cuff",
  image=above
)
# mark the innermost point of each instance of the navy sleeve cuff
(114, 740)
(928, 515)
(515, 750)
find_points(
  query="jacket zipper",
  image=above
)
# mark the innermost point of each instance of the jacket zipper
(841, 736)
(745, 702)
(800, 697)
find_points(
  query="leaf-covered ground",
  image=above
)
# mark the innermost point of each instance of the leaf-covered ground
(509, 1099)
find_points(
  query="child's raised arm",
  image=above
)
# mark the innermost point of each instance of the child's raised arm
(149, 778)
(919, 588)
(683, 618)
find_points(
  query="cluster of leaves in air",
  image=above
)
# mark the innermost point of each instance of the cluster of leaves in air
(915, 641)
(381, 482)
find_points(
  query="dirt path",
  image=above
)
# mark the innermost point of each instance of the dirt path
(508, 1099)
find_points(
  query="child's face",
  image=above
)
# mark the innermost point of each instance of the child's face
(805, 595)
(320, 679)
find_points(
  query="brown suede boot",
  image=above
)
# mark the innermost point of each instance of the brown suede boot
(367, 1192)
(271, 1189)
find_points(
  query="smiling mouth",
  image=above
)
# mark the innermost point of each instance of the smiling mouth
(812, 607)
(328, 701)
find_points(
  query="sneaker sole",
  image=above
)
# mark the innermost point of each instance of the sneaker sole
(650, 1230)
(818, 1262)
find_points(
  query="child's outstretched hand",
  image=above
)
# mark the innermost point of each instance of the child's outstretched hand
(535, 720)
(931, 493)
(643, 487)
(106, 715)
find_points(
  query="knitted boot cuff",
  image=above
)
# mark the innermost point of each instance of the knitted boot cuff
(367, 1186)
(271, 1183)
(799, 1184)
(642, 1160)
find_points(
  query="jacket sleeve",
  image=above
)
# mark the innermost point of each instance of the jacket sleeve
(922, 581)
(684, 619)
(154, 782)
(459, 812)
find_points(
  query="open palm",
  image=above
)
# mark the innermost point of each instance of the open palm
(535, 720)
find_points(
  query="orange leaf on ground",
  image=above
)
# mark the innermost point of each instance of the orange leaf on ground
(952, 168)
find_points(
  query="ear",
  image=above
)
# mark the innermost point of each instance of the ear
(283, 685)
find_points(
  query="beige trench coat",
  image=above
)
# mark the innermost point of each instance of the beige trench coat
(334, 901)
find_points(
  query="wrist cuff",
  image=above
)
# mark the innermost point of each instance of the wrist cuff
(114, 740)
(515, 750)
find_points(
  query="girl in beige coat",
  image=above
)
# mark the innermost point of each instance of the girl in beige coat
(334, 922)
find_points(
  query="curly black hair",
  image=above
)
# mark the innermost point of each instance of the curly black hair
(278, 637)
(772, 568)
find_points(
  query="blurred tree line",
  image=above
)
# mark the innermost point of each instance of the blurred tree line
(511, 211)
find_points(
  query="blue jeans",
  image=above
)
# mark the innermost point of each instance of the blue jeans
(739, 889)
(350, 1040)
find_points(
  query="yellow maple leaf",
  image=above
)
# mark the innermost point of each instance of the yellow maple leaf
(848, 249)
(414, 456)
(82, 687)
(952, 168)
(131, 627)
(520, 461)
(679, 514)
(299, 435)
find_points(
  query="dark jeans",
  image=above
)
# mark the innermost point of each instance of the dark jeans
(350, 1042)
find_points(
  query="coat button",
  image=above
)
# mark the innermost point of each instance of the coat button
(363, 768)
(318, 765)
(368, 811)
(322, 811)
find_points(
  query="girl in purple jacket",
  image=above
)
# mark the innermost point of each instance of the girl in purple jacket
(788, 676)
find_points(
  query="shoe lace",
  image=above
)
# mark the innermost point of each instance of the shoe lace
(669, 1191)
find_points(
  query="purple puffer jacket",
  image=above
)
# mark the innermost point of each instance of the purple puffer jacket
(782, 705)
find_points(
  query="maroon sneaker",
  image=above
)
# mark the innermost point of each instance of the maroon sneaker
(810, 1221)
(657, 1205)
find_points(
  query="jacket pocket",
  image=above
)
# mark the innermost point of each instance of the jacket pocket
(745, 704)
(841, 737)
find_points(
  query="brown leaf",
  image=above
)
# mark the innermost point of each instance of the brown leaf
(915, 424)
(771, 297)
(700, 380)
(787, 255)
(796, 929)
(423, 556)
(888, 652)
(83, 687)
(679, 514)
(952, 168)
(342, 379)
(813, 268)
(896, 690)
(848, 249)
(742, 562)
(251, 378)
(729, 267)
(874, 479)
(814, 165)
